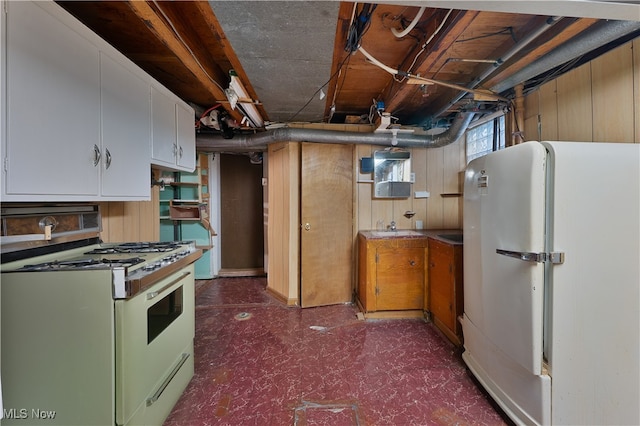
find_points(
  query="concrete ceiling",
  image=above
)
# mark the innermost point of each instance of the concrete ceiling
(286, 50)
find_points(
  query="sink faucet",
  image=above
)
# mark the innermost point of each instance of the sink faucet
(392, 225)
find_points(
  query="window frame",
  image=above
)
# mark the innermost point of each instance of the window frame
(498, 134)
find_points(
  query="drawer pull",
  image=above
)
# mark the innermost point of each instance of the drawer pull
(154, 294)
(412, 262)
(166, 382)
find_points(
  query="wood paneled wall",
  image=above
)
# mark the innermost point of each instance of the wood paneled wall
(128, 221)
(596, 102)
(283, 183)
(437, 171)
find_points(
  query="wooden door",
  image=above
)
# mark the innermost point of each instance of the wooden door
(440, 283)
(326, 235)
(400, 278)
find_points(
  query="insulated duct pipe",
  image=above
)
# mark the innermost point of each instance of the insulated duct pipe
(581, 44)
(259, 141)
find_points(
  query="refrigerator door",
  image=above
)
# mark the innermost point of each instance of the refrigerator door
(504, 210)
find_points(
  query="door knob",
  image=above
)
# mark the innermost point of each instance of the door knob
(307, 226)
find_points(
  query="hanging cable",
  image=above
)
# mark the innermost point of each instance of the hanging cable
(424, 45)
(321, 87)
(359, 26)
(400, 34)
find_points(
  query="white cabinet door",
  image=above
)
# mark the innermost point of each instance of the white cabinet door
(173, 132)
(126, 121)
(163, 148)
(53, 108)
(186, 138)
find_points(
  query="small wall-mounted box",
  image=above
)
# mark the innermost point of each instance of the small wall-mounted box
(366, 165)
(421, 194)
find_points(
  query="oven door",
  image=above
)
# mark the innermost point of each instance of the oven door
(154, 349)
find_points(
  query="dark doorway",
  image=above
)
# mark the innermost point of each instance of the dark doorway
(241, 221)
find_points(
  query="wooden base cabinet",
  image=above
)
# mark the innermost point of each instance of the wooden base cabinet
(445, 287)
(391, 274)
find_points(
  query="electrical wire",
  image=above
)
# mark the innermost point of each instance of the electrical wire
(506, 30)
(359, 27)
(360, 23)
(424, 45)
(321, 87)
(416, 19)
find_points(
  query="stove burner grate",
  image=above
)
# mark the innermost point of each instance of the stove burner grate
(82, 264)
(154, 247)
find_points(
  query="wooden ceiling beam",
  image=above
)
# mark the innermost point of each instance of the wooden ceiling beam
(441, 45)
(163, 30)
(339, 55)
(224, 45)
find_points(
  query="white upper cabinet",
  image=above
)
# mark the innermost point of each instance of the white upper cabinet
(173, 132)
(126, 131)
(77, 115)
(186, 132)
(53, 108)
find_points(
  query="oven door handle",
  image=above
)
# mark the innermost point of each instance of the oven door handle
(154, 294)
(166, 382)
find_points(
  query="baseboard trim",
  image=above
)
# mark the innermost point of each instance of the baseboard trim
(248, 272)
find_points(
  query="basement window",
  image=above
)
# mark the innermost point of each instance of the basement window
(485, 137)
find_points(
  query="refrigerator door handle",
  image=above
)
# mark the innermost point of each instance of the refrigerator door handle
(553, 257)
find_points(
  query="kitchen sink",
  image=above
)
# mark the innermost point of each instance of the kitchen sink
(456, 238)
(398, 233)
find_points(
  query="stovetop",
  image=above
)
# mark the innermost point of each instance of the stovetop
(83, 263)
(147, 256)
(134, 266)
(139, 247)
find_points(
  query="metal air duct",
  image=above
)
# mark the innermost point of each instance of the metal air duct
(260, 141)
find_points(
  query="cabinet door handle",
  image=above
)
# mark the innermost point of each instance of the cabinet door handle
(107, 159)
(412, 262)
(180, 153)
(96, 155)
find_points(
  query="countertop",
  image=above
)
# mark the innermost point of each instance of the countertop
(414, 233)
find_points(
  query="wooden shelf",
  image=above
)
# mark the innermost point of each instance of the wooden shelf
(194, 184)
(184, 201)
(451, 195)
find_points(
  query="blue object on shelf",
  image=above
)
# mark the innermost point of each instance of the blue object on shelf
(366, 165)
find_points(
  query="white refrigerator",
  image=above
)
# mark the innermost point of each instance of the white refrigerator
(551, 281)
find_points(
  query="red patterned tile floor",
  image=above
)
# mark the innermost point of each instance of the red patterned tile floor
(258, 362)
